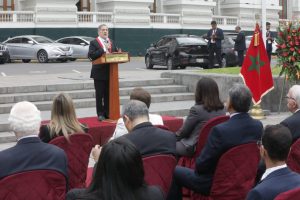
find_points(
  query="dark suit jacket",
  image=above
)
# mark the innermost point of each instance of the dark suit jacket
(32, 154)
(239, 129)
(44, 134)
(275, 183)
(219, 37)
(198, 116)
(99, 72)
(240, 42)
(151, 140)
(144, 193)
(269, 44)
(293, 124)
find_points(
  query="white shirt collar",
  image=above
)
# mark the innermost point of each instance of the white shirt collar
(272, 169)
(27, 136)
(233, 114)
(297, 110)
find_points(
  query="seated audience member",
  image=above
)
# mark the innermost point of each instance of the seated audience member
(30, 153)
(148, 139)
(119, 175)
(63, 120)
(207, 106)
(239, 129)
(143, 96)
(274, 149)
(293, 104)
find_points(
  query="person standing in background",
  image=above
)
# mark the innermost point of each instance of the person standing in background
(100, 72)
(214, 36)
(270, 40)
(240, 45)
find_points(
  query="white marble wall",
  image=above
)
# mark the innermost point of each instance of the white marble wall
(296, 9)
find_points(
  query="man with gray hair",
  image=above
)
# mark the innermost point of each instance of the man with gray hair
(149, 140)
(239, 129)
(293, 104)
(30, 153)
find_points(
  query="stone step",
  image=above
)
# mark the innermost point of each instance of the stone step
(90, 102)
(81, 86)
(175, 108)
(82, 94)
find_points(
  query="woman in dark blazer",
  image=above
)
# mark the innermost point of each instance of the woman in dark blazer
(63, 120)
(207, 106)
(119, 175)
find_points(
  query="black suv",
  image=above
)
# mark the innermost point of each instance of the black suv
(176, 51)
(4, 54)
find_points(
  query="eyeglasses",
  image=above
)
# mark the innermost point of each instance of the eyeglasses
(287, 97)
(259, 143)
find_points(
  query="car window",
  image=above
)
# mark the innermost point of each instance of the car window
(41, 39)
(15, 40)
(64, 41)
(88, 38)
(25, 40)
(77, 41)
(161, 42)
(190, 40)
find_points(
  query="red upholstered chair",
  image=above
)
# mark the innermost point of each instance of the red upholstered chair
(289, 195)
(159, 170)
(36, 184)
(204, 132)
(78, 150)
(293, 160)
(235, 174)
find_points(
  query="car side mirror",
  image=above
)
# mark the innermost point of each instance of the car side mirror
(82, 44)
(152, 45)
(30, 42)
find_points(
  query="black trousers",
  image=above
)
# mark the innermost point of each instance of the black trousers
(212, 49)
(102, 97)
(269, 55)
(241, 57)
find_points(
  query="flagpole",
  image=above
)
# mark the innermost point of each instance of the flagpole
(263, 19)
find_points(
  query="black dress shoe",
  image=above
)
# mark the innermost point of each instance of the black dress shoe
(101, 118)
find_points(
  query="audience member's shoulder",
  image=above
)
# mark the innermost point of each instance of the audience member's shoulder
(151, 193)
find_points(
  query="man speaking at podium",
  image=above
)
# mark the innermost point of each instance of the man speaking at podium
(100, 72)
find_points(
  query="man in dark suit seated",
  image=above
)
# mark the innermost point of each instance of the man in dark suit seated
(239, 129)
(148, 139)
(30, 153)
(215, 36)
(274, 149)
(293, 104)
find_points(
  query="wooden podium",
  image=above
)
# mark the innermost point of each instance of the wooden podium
(113, 59)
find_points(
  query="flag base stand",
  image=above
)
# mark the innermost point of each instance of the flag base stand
(257, 113)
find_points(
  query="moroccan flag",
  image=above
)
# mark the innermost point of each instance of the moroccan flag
(256, 70)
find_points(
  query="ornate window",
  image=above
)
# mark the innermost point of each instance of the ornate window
(7, 5)
(83, 5)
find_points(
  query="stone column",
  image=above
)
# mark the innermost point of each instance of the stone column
(249, 12)
(127, 12)
(195, 13)
(53, 12)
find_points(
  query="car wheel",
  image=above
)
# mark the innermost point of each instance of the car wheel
(42, 56)
(149, 65)
(72, 59)
(170, 64)
(2, 61)
(182, 67)
(26, 60)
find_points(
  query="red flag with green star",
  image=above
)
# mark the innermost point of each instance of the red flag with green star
(256, 70)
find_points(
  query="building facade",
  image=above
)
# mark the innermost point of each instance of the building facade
(136, 23)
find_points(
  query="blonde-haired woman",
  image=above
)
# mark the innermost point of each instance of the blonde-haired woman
(63, 120)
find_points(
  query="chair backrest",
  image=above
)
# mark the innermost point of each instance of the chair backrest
(293, 160)
(205, 130)
(235, 173)
(159, 170)
(35, 184)
(289, 195)
(78, 150)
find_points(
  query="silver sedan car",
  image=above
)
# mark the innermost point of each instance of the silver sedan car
(28, 47)
(79, 44)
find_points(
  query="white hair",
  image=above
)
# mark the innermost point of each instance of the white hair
(295, 93)
(25, 119)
